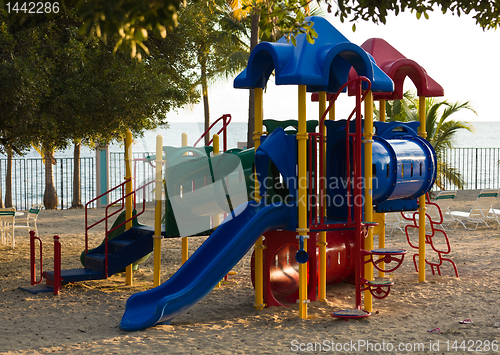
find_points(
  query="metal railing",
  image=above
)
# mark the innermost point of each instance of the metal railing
(479, 168)
(28, 181)
(226, 120)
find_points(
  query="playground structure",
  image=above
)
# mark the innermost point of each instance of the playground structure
(311, 206)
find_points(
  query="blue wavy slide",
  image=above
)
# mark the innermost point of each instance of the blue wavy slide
(206, 267)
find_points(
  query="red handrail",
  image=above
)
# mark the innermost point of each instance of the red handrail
(226, 119)
(356, 148)
(109, 215)
(33, 257)
(356, 177)
(87, 227)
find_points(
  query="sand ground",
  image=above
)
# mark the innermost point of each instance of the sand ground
(84, 318)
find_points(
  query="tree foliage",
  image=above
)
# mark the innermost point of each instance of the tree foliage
(217, 44)
(486, 13)
(66, 88)
(131, 22)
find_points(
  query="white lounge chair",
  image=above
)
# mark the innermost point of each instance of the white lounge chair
(7, 217)
(30, 222)
(443, 200)
(393, 221)
(480, 212)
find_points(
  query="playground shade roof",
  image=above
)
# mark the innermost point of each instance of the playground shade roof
(321, 66)
(398, 67)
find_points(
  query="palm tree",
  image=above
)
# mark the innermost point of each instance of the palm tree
(441, 129)
(218, 43)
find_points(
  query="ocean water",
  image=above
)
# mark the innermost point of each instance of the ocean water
(171, 136)
(486, 135)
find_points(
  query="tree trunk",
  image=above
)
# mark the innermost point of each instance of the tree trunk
(206, 107)
(50, 199)
(254, 39)
(77, 196)
(8, 180)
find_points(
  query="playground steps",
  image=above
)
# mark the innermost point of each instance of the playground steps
(381, 288)
(74, 275)
(123, 250)
(387, 256)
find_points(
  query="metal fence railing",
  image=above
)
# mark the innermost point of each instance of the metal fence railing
(28, 179)
(479, 168)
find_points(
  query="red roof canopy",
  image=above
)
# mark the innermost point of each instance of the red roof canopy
(398, 67)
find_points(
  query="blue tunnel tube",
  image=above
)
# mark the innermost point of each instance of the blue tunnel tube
(404, 167)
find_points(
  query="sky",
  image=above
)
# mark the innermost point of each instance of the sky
(453, 50)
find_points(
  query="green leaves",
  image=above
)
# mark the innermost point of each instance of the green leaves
(128, 21)
(486, 13)
(58, 86)
(285, 18)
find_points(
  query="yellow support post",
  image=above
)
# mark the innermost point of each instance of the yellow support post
(302, 195)
(158, 202)
(322, 235)
(381, 235)
(331, 113)
(421, 200)
(184, 240)
(216, 217)
(259, 262)
(128, 199)
(368, 141)
(215, 143)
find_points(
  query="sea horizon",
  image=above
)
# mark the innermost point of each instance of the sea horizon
(485, 135)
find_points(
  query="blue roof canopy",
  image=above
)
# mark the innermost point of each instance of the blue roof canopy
(322, 66)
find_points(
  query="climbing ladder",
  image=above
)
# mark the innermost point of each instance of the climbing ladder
(431, 237)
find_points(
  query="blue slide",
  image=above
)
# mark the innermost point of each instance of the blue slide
(206, 267)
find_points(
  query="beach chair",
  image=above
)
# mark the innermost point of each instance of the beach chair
(480, 212)
(30, 222)
(7, 217)
(443, 200)
(394, 221)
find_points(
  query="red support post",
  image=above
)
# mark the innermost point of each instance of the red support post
(33, 239)
(32, 257)
(57, 265)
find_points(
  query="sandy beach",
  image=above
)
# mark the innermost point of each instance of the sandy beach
(84, 318)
